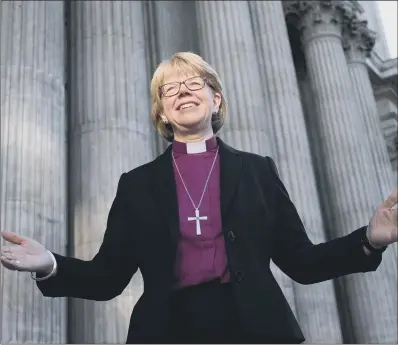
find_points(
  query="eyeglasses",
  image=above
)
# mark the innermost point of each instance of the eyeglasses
(192, 84)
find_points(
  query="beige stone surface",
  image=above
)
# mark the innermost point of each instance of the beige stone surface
(349, 181)
(33, 160)
(320, 321)
(110, 133)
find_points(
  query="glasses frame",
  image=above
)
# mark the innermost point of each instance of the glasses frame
(161, 94)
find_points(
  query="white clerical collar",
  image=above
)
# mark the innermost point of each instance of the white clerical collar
(197, 147)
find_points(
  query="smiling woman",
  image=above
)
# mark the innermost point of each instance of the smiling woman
(202, 223)
(186, 79)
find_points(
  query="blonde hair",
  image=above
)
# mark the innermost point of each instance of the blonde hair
(184, 63)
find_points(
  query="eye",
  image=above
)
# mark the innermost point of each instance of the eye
(170, 88)
(195, 83)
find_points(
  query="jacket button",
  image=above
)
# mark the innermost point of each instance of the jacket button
(231, 236)
(239, 276)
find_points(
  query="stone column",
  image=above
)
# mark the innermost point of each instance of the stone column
(171, 29)
(233, 54)
(358, 42)
(33, 159)
(316, 306)
(110, 133)
(348, 181)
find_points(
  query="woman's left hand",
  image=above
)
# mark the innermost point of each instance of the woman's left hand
(383, 227)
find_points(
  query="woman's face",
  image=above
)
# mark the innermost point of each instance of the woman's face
(188, 107)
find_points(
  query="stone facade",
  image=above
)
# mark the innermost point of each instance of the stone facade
(307, 82)
(33, 159)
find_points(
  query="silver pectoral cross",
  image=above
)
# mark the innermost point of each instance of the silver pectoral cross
(198, 219)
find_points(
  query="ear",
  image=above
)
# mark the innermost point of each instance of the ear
(164, 119)
(216, 101)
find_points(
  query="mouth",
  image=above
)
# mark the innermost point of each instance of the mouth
(187, 105)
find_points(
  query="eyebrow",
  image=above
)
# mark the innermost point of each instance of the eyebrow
(170, 82)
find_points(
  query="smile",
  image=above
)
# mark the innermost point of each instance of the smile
(186, 106)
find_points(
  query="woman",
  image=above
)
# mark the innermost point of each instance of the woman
(202, 222)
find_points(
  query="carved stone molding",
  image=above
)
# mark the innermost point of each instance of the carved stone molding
(358, 40)
(318, 18)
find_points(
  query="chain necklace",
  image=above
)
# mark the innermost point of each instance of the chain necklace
(197, 217)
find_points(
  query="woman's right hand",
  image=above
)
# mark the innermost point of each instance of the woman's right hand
(26, 255)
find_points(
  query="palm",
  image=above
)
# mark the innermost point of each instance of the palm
(26, 255)
(384, 224)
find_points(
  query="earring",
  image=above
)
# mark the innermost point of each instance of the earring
(165, 121)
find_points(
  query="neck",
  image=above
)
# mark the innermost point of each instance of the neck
(194, 137)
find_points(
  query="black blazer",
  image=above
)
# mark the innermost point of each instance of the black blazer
(260, 223)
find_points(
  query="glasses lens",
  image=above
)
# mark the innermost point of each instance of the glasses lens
(170, 89)
(195, 83)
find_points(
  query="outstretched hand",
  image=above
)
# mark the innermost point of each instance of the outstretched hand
(383, 227)
(25, 255)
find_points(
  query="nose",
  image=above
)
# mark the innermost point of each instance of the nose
(184, 91)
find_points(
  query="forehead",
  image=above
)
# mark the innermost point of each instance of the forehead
(177, 73)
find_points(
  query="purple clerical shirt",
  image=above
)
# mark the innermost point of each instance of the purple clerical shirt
(200, 258)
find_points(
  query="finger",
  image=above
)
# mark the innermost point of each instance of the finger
(12, 249)
(9, 264)
(13, 237)
(5, 249)
(10, 253)
(10, 256)
(392, 200)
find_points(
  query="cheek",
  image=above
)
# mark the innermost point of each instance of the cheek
(207, 99)
(206, 104)
(167, 106)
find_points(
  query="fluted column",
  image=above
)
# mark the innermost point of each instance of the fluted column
(316, 306)
(171, 29)
(358, 42)
(174, 28)
(233, 54)
(33, 159)
(110, 133)
(350, 187)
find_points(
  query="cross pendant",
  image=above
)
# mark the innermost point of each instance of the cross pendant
(197, 218)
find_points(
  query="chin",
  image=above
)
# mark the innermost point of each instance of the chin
(192, 120)
(192, 124)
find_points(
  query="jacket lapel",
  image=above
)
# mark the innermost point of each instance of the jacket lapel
(165, 191)
(230, 170)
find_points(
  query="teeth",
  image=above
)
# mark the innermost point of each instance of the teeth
(188, 105)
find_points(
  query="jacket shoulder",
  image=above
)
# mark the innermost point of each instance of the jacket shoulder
(138, 176)
(140, 171)
(261, 162)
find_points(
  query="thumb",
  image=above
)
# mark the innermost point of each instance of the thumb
(391, 201)
(12, 237)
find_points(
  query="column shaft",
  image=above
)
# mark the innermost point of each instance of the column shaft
(358, 43)
(233, 54)
(111, 133)
(350, 184)
(316, 306)
(33, 159)
(171, 28)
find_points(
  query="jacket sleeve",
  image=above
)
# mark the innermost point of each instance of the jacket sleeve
(108, 273)
(308, 263)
